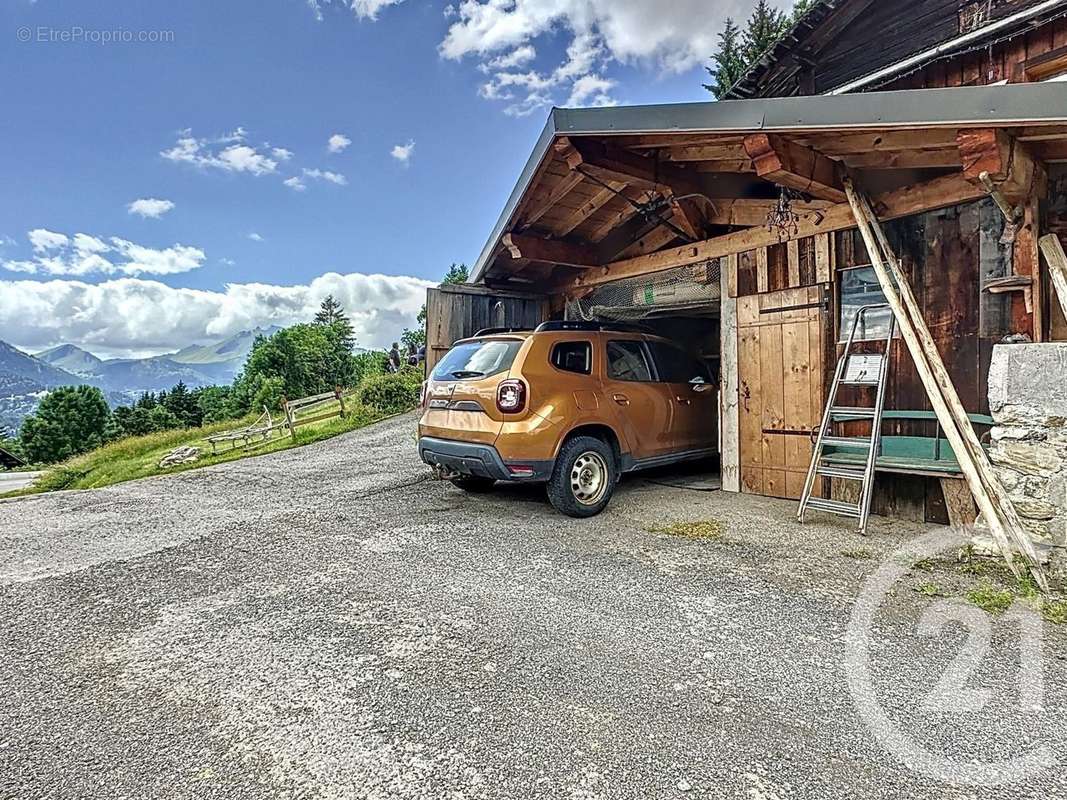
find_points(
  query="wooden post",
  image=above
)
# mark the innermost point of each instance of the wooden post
(989, 493)
(729, 433)
(340, 398)
(289, 417)
(1057, 267)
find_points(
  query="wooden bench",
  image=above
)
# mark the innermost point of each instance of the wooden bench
(929, 456)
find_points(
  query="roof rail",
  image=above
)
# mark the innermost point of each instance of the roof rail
(581, 325)
(495, 331)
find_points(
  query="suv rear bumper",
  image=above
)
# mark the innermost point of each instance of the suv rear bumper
(479, 460)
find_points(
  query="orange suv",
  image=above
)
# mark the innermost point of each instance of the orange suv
(571, 404)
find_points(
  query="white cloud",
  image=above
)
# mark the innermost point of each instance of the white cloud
(149, 207)
(403, 152)
(363, 9)
(255, 237)
(295, 183)
(236, 156)
(338, 142)
(326, 175)
(670, 36)
(130, 316)
(82, 254)
(591, 90)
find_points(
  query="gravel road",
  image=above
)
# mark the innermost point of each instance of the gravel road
(326, 622)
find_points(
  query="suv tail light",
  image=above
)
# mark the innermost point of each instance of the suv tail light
(511, 396)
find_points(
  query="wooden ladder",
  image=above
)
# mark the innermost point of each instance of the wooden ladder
(869, 370)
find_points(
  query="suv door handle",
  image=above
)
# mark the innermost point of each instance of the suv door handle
(621, 399)
(685, 401)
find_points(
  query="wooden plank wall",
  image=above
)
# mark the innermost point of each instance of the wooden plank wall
(782, 337)
(1004, 61)
(948, 255)
(455, 312)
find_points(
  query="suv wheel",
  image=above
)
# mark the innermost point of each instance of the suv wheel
(470, 483)
(584, 477)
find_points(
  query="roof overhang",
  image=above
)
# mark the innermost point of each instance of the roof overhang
(650, 142)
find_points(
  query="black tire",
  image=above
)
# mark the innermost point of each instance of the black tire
(565, 487)
(474, 485)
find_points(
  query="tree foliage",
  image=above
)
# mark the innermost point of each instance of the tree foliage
(738, 50)
(332, 313)
(70, 420)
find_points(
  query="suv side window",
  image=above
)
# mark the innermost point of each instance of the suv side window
(677, 366)
(573, 357)
(627, 362)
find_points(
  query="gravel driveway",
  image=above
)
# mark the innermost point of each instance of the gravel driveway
(326, 622)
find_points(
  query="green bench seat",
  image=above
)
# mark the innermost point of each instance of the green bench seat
(908, 455)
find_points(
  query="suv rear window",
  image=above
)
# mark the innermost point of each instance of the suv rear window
(477, 359)
(676, 365)
(573, 357)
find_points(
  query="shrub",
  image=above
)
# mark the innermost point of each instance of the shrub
(390, 394)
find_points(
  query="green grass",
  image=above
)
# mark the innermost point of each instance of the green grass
(860, 554)
(702, 529)
(139, 456)
(930, 589)
(994, 599)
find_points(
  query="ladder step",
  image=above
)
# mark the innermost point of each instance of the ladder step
(847, 441)
(845, 411)
(846, 473)
(860, 381)
(834, 507)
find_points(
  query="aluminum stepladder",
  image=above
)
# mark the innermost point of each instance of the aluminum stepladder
(869, 369)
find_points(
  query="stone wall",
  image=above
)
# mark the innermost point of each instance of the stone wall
(1028, 403)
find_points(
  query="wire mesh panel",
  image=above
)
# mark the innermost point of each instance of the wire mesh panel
(693, 288)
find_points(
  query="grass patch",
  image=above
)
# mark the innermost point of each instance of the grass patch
(994, 599)
(1055, 612)
(702, 529)
(139, 456)
(860, 554)
(930, 589)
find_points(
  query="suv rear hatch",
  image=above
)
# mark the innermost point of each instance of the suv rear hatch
(460, 397)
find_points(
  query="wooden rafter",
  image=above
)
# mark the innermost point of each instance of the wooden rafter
(610, 163)
(546, 197)
(588, 208)
(937, 193)
(1006, 161)
(787, 163)
(551, 251)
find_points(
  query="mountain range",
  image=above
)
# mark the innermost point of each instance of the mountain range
(25, 378)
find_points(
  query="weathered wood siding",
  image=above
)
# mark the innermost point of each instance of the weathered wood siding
(455, 312)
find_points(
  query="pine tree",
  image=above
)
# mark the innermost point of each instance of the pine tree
(765, 27)
(333, 313)
(800, 8)
(729, 62)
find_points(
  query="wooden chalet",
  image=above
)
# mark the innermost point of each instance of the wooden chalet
(726, 223)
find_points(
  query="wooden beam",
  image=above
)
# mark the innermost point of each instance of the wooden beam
(588, 208)
(840, 144)
(624, 214)
(1057, 267)
(787, 163)
(904, 159)
(607, 162)
(653, 240)
(1007, 162)
(750, 213)
(522, 246)
(709, 152)
(937, 193)
(545, 198)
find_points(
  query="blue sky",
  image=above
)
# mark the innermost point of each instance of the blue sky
(228, 123)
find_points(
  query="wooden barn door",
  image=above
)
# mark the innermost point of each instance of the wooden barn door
(782, 342)
(456, 311)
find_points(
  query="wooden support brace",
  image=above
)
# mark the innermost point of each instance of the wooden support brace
(1052, 249)
(988, 492)
(551, 251)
